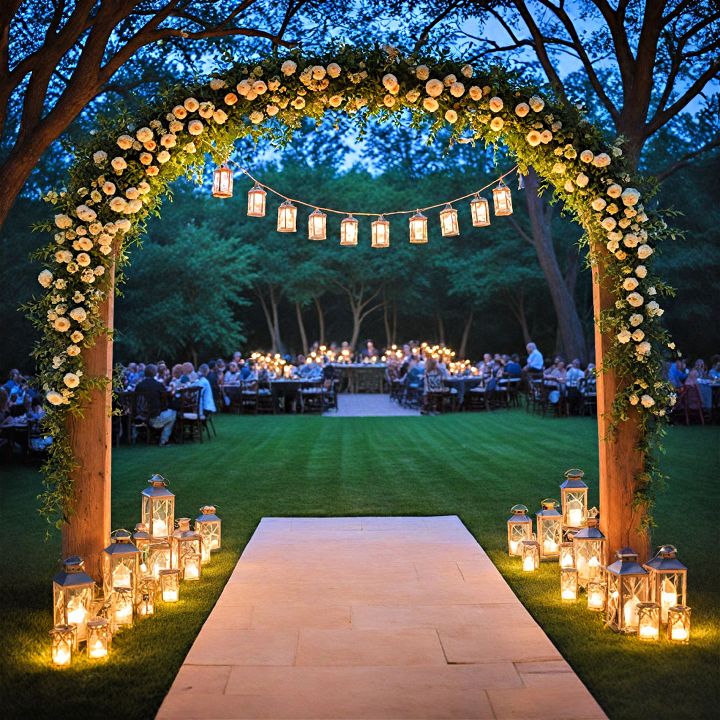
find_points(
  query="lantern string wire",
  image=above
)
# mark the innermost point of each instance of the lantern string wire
(375, 214)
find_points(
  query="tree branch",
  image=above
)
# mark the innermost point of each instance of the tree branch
(686, 159)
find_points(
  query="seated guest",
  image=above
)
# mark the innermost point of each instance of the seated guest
(699, 366)
(535, 361)
(232, 375)
(414, 375)
(572, 382)
(512, 367)
(714, 372)
(189, 375)
(432, 377)
(13, 381)
(176, 381)
(369, 352)
(677, 373)
(247, 371)
(207, 401)
(159, 417)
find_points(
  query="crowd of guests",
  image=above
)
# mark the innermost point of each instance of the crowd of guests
(21, 408)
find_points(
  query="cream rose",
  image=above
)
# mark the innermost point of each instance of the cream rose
(601, 160)
(646, 401)
(422, 72)
(63, 221)
(99, 157)
(434, 88)
(191, 104)
(630, 197)
(582, 180)
(614, 191)
(496, 124)
(334, 70)
(118, 164)
(430, 104)
(533, 138)
(598, 204)
(638, 336)
(54, 397)
(61, 324)
(495, 104)
(457, 89)
(288, 67)
(636, 319)
(587, 156)
(630, 284)
(522, 109)
(644, 251)
(195, 127)
(466, 71)
(144, 134)
(475, 92)
(624, 337)
(45, 278)
(71, 380)
(451, 116)
(537, 103)
(125, 142)
(635, 299)
(641, 271)
(78, 314)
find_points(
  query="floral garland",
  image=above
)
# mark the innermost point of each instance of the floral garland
(122, 174)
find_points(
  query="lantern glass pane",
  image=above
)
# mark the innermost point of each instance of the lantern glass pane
(418, 229)
(518, 530)
(550, 535)
(575, 507)
(123, 602)
(502, 200)
(566, 557)
(568, 584)
(287, 217)
(480, 211)
(317, 225)
(678, 628)
(191, 567)
(256, 202)
(98, 642)
(596, 596)
(530, 555)
(380, 233)
(449, 222)
(589, 554)
(72, 607)
(170, 585)
(349, 231)
(648, 621)
(63, 642)
(222, 182)
(159, 558)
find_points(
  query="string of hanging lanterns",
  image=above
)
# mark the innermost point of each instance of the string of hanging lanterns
(380, 227)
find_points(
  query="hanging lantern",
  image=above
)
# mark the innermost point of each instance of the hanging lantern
(184, 542)
(418, 229)
(349, 231)
(158, 508)
(63, 640)
(589, 551)
(449, 226)
(678, 624)
(502, 200)
(480, 211)
(648, 621)
(574, 499)
(170, 585)
(549, 529)
(147, 589)
(519, 528)
(190, 567)
(596, 595)
(73, 596)
(222, 182)
(317, 225)
(121, 563)
(209, 525)
(627, 587)
(530, 554)
(159, 558)
(98, 641)
(667, 580)
(287, 217)
(256, 201)
(123, 603)
(566, 557)
(568, 584)
(141, 540)
(380, 233)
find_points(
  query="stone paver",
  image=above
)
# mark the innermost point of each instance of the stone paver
(371, 619)
(368, 405)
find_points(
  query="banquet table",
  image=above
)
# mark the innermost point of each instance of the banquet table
(709, 390)
(462, 383)
(362, 377)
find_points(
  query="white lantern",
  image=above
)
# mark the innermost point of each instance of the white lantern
(317, 225)
(667, 580)
(627, 587)
(449, 226)
(678, 624)
(648, 621)
(123, 605)
(222, 182)
(349, 231)
(99, 636)
(159, 558)
(519, 528)
(63, 642)
(502, 200)
(596, 595)
(380, 233)
(287, 217)
(480, 211)
(184, 542)
(530, 554)
(589, 551)
(209, 525)
(73, 596)
(418, 229)
(170, 585)
(256, 201)
(568, 584)
(121, 564)
(566, 557)
(574, 499)
(549, 529)
(158, 508)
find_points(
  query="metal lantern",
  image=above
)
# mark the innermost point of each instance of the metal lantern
(184, 542)
(566, 556)
(502, 200)
(209, 525)
(480, 211)
(530, 553)
(287, 217)
(147, 589)
(222, 186)
(589, 551)
(190, 566)
(73, 596)
(549, 529)
(256, 201)
(159, 558)
(141, 540)
(596, 595)
(63, 640)
(317, 225)
(98, 641)
(380, 233)
(574, 499)
(349, 231)
(568, 584)
(121, 563)
(449, 226)
(123, 605)
(627, 587)
(158, 508)
(648, 621)
(667, 580)
(170, 585)
(678, 624)
(519, 528)
(418, 229)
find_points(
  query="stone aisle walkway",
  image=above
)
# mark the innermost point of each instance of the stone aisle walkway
(374, 618)
(368, 405)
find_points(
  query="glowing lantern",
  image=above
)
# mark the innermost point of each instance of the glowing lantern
(121, 563)
(159, 558)
(627, 588)
(123, 603)
(502, 200)
(568, 584)
(596, 595)
(667, 580)
(141, 540)
(418, 229)
(222, 182)
(549, 529)
(380, 233)
(158, 508)
(648, 621)
(678, 624)
(566, 556)
(63, 640)
(287, 217)
(73, 596)
(317, 225)
(209, 525)
(519, 528)
(349, 231)
(98, 641)
(170, 585)
(530, 553)
(589, 550)
(449, 226)
(256, 201)
(480, 211)
(573, 497)
(184, 542)
(147, 589)
(190, 567)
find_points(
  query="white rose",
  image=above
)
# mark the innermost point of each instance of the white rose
(536, 103)
(496, 104)
(318, 72)
(601, 160)
(334, 70)
(84, 244)
(272, 110)
(422, 72)
(624, 336)
(220, 116)
(638, 335)
(133, 206)
(390, 82)
(206, 110)
(569, 186)
(117, 204)
(179, 112)
(217, 84)
(533, 138)
(613, 246)
(83, 259)
(475, 92)
(457, 89)
(108, 188)
(78, 314)
(644, 251)
(545, 137)
(123, 224)
(99, 157)
(131, 193)
(634, 399)
(71, 380)
(144, 134)
(334, 101)
(630, 197)
(635, 299)
(641, 271)
(256, 117)
(496, 124)
(190, 104)
(169, 140)
(587, 156)
(61, 324)
(195, 127)
(412, 95)
(288, 67)
(298, 103)
(124, 142)
(466, 71)
(45, 278)
(55, 398)
(646, 401)
(582, 180)
(448, 80)
(636, 319)
(434, 88)
(430, 104)
(559, 168)
(522, 109)
(451, 116)
(118, 164)
(598, 204)
(614, 191)
(630, 240)
(63, 221)
(609, 223)
(630, 284)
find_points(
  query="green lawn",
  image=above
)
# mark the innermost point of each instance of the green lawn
(473, 465)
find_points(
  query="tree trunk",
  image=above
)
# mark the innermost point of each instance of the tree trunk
(277, 340)
(394, 321)
(357, 322)
(440, 328)
(462, 350)
(569, 325)
(321, 320)
(14, 172)
(268, 320)
(88, 530)
(301, 327)
(386, 321)
(516, 303)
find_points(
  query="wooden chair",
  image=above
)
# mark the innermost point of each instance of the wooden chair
(266, 402)
(689, 405)
(311, 397)
(475, 399)
(249, 398)
(189, 418)
(139, 420)
(330, 395)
